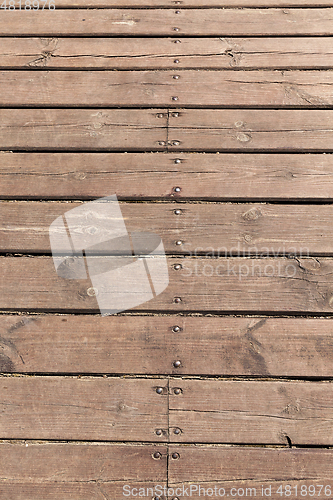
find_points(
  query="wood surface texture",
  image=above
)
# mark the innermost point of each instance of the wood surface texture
(166, 53)
(155, 175)
(211, 121)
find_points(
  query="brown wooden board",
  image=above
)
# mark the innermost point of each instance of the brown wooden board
(158, 88)
(191, 3)
(279, 285)
(79, 471)
(252, 412)
(245, 466)
(82, 129)
(142, 130)
(210, 229)
(144, 176)
(287, 347)
(167, 22)
(166, 53)
(63, 408)
(246, 130)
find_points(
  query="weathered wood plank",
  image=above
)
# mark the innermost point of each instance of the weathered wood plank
(127, 129)
(132, 175)
(119, 129)
(162, 89)
(166, 53)
(167, 22)
(202, 284)
(194, 3)
(290, 347)
(252, 412)
(223, 130)
(222, 463)
(209, 229)
(112, 409)
(78, 471)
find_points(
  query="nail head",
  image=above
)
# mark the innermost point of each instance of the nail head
(179, 242)
(177, 431)
(92, 292)
(177, 189)
(177, 391)
(159, 432)
(178, 300)
(176, 61)
(176, 329)
(178, 212)
(175, 98)
(159, 390)
(177, 161)
(177, 364)
(175, 456)
(157, 455)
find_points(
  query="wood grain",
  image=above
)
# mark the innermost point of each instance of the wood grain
(162, 22)
(211, 229)
(287, 347)
(142, 130)
(79, 471)
(155, 88)
(278, 285)
(193, 3)
(118, 129)
(251, 130)
(62, 408)
(148, 176)
(252, 412)
(166, 53)
(237, 464)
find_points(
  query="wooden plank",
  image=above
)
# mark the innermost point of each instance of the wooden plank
(251, 130)
(266, 285)
(214, 464)
(79, 471)
(208, 229)
(66, 408)
(287, 347)
(166, 53)
(155, 88)
(147, 176)
(192, 3)
(167, 22)
(127, 129)
(252, 412)
(83, 129)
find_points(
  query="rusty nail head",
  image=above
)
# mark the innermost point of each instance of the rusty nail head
(177, 431)
(159, 432)
(175, 456)
(176, 329)
(179, 242)
(157, 455)
(178, 300)
(178, 212)
(177, 391)
(177, 364)
(177, 161)
(175, 98)
(159, 390)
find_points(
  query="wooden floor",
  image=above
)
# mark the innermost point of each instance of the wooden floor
(212, 122)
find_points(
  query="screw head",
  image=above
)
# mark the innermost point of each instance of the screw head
(179, 242)
(177, 300)
(175, 456)
(177, 161)
(177, 391)
(177, 212)
(159, 432)
(157, 455)
(177, 431)
(176, 329)
(159, 390)
(175, 98)
(177, 364)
